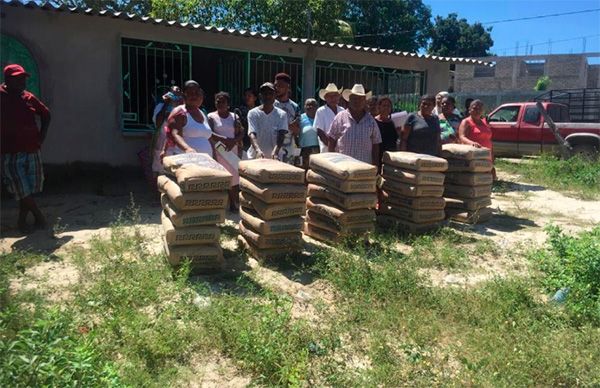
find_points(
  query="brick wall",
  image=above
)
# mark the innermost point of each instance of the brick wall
(565, 71)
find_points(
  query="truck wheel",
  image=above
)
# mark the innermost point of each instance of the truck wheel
(585, 151)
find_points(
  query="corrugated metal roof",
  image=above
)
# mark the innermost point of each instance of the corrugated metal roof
(230, 31)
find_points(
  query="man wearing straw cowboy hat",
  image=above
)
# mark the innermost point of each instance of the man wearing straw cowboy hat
(354, 131)
(325, 114)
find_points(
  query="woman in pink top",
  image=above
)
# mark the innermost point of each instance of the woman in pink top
(473, 130)
(224, 123)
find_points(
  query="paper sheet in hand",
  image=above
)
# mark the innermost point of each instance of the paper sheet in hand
(399, 118)
(229, 156)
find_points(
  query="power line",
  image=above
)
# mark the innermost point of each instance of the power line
(554, 41)
(543, 16)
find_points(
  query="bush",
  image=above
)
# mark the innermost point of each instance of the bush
(542, 83)
(573, 263)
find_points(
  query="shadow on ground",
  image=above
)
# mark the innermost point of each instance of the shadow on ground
(500, 222)
(502, 186)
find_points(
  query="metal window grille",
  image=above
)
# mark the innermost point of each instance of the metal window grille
(148, 70)
(404, 87)
(263, 68)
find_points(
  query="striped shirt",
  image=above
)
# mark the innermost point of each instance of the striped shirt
(355, 139)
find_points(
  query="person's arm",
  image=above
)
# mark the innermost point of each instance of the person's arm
(376, 139)
(333, 134)
(175, 124)
(319, 124)
(406, 129)
(281, 132)
(41, 110)
(252, 130)
(399, 141)
(463, 129)
(159, 118)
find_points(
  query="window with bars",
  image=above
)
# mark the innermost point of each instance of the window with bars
(404, 87)
(149, 69)
(263, 68)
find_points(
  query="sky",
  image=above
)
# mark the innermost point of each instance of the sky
(537, 32)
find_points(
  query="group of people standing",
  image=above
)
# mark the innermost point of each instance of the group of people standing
(351, 121)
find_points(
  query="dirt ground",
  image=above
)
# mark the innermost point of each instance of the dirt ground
(521, 211)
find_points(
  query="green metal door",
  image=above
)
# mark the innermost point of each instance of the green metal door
(232, 75)
(13, 51)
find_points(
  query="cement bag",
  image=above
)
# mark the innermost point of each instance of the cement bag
(416, 216)
(195, 235)
(328, 209)
(342, 166)
(327, 223)
(345, 186)
(271, 171)
(271, 240)
(470, 216)
(468, 204)
(465, 152)
(202, 257)
(418, 203)
(182, 219)
(345, 201)
(469, 178)
(272, 211)
(172, 163)
(321, 234)
(413, 161)
(456, 191)
(276, 226)
(269, 253)
(409, 190)
(191, 201)
(192, 177)
(475, 165)
(274, 192)
(413, 177)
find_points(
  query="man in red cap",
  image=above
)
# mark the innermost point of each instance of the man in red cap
(20, 142)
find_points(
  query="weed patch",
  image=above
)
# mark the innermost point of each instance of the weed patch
(576, 176)
(573, 264)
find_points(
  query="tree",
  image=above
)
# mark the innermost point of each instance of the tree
(298, 18)
(392, 24)
(452, 36)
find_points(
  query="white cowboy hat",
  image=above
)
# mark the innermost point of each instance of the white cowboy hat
(331, 88)
(357, 90)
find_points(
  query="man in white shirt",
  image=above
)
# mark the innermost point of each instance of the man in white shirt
(325, 114)
(267, 126)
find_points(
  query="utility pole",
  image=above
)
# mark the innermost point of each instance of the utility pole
(517, 49)
(584, 43)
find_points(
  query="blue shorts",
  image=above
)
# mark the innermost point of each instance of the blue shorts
(23, 173)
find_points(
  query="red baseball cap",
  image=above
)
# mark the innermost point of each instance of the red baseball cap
(14, 71)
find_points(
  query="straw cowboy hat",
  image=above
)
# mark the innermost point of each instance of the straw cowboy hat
(331, 88)
(357, 90)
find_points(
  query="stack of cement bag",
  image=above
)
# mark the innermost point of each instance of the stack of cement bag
(342, 197)
(468, 185)
(412, 187)
(194, 198)
(272, 205)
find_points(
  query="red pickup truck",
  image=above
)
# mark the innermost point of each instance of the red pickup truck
(519, 129)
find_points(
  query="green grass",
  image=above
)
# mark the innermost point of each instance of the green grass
(574, 176)
(132, 321)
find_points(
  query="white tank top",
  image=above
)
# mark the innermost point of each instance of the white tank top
(196, 134)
